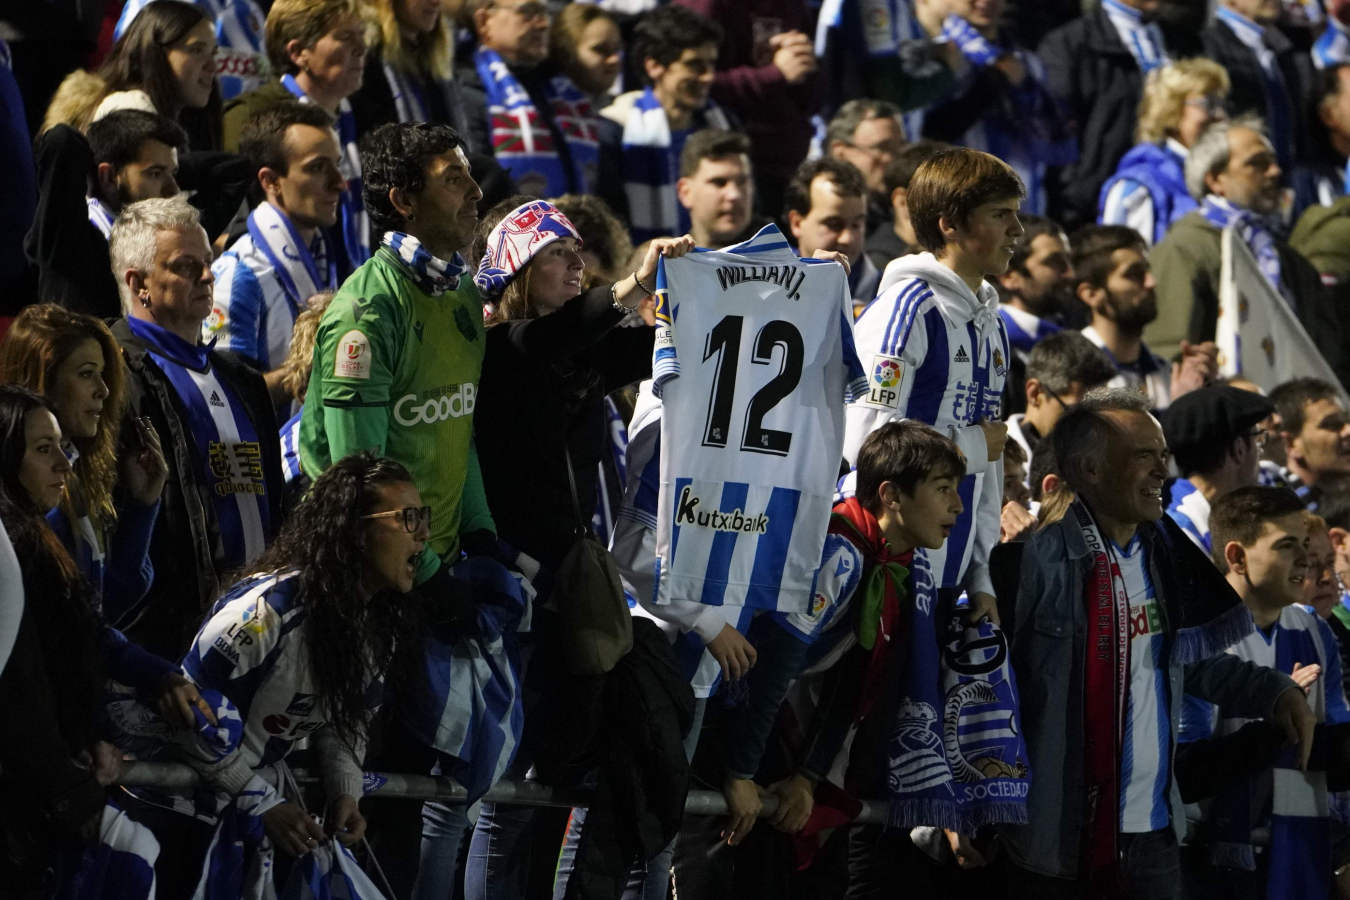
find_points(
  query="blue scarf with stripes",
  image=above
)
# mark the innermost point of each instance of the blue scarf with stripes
(1253, 231)
(432, 275)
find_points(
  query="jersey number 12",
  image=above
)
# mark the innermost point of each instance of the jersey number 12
(724, 342)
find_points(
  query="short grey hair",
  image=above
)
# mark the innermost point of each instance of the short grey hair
(1109, 399)
(854, 113)
(132, 242)
(1209, 154)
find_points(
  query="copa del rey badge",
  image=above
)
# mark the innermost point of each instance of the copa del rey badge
(353, 356)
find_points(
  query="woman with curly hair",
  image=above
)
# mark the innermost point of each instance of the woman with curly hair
(54, 767)
(302, 644)
(107, 513)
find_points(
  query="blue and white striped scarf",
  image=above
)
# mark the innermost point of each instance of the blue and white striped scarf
(521, 138)
(957, 758)
(120, 865)
(432, 275)
(1026, 128)
(100, 216)
(1254, 232)
(290, 447)
(355, 222)
(468, 705)
(1143, 40)
(303, 270)
(650, 169)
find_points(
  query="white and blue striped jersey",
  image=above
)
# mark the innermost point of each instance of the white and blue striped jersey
(1333, 47)
(241, 57)
(228, 453)
(257, 298)
(937, 353)
(1189, 509)
(754, 360)
(290, 447)
(1150, 374)
(1129, 203)
(1145, 775)
(690, 625)
(253, 650)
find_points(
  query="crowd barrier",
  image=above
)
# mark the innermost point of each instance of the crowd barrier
(178, 777)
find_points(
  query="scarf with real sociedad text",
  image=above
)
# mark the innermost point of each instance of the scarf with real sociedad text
(355, 222)
(522, 140)
(1198, 625)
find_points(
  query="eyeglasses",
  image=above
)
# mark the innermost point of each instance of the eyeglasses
(412, 516)
(1056, 397)
(885, 148)
(1209, 103)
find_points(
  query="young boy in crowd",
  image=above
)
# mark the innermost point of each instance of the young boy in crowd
(936, 350)
(885, 697)
(1271, 828)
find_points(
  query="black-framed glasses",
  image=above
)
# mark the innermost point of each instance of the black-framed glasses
(411, 516)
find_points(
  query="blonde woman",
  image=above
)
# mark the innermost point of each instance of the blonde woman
(408, 67)
(1148, 190)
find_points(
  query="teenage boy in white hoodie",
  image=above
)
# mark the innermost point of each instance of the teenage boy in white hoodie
(935, 349)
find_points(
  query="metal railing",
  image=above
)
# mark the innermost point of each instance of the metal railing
(178, 777)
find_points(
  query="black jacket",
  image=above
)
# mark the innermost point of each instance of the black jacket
(185, 544)
(70, 254)
(1099, 86)
(1248, 91)
(543, 384)
(647, 707)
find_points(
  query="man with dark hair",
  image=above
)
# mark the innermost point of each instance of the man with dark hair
(825, 206)
(83, 182)
(1269, 834)
(1212, 433)
(521, 109)
(1117, 610)
(869, 134)
(643, 132)
(935, 349)
(1037, 288)
(399, 350)
(1115, 283)
(1233, 172)
(1315, 427)
(716, 187)
(1060, 369)
(894, 236)
(268, 275)
(766, 75)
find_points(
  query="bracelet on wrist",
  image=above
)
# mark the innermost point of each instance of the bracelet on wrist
(614, 301)
(642, 287)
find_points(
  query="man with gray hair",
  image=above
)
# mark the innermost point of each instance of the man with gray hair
(1117, 615)
(868, 133)
(222, 500)
(1233, 172)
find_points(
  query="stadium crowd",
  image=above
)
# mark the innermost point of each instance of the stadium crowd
(369, 409)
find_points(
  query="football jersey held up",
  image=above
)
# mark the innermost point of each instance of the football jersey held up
(754, 361)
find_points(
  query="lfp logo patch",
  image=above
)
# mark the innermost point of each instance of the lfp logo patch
(883, 387)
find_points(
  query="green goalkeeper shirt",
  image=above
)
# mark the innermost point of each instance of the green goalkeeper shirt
(396, 372)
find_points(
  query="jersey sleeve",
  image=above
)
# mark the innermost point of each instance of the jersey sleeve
(356, 354)
(891, 342)
(855, 379)
(665, 362)
(986, 526)
(1129, 203)
(474, 514)
(236, 315)
(832, 591)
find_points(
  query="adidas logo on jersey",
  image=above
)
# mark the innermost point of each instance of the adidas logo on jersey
(686, 513)
(215, 400)
(961, 356)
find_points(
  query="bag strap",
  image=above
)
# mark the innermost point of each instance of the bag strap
(583, 527)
